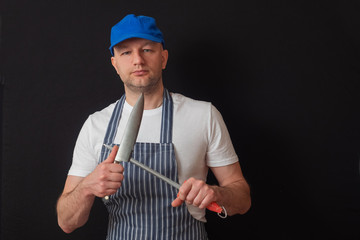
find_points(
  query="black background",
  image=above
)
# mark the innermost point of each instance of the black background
(284, 74)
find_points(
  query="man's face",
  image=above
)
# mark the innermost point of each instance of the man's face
(139, 63)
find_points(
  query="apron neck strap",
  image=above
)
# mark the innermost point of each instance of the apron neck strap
(112, 128)
(167, 118)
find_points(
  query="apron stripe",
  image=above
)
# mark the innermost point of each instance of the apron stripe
(141, 208)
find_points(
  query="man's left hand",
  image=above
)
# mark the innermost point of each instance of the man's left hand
(195, 192)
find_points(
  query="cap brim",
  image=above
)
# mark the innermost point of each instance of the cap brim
(134, 35)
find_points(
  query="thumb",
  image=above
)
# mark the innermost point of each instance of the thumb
(112, 155)
(177, 202)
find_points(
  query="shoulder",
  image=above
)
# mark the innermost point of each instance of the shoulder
(96, 123)
(184, 103)
(102, 116)
(200, 109)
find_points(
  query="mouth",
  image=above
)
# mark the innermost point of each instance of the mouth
(139, 72)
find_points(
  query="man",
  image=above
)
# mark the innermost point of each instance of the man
(178, 137)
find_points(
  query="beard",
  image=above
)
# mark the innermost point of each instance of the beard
(150, 85)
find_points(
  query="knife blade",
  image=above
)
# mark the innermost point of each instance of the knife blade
(131, 131)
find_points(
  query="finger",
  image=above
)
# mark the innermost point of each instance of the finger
(206, 202)
(184, 190)
(107, 192)
(108, 189)
(196, 193)
(199, 198)
(190, 198)
(116, 168)
(113, 186)
(112, 155)
(115, 177)
(177, 202)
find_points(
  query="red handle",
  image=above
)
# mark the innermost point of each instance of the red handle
(212, 207)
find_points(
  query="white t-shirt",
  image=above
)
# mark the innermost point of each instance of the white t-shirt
(200, 139)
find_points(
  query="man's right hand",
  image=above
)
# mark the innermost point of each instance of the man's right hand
(106, 179)
(74, 204)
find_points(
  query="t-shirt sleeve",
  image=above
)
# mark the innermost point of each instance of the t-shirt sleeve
(84, 156)
(220, 150)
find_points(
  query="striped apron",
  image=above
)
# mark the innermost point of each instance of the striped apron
(141, 208)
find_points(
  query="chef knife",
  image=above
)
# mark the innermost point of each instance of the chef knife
(130, 134)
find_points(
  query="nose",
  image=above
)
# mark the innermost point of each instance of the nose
(138, 58)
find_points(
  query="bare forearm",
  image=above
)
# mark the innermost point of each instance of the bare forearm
(73, 209)
(235, 197)
(74, 205)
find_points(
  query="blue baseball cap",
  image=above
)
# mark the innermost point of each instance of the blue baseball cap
(132, 26)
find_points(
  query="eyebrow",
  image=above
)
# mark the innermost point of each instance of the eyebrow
(121, 46)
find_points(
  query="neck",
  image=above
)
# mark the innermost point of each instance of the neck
(152, 99)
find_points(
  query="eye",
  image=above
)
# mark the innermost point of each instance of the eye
(125, 53)
(147, 50)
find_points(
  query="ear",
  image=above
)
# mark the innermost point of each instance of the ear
(113, 62)
(165, 55)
